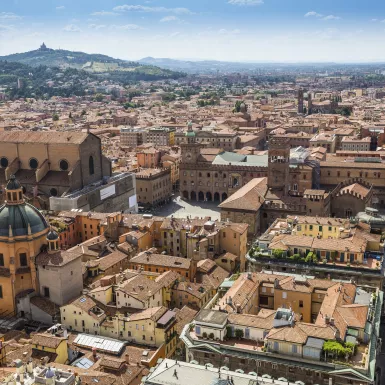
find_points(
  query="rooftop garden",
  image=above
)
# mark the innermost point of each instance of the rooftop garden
(310, 258)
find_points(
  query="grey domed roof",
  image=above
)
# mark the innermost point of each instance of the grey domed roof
(13, 183)
(49, 373)
(52, 235)
(18, 217)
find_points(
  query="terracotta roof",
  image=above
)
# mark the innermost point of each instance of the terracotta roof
(250, 197)
(183, 317)
(355, 189)
(47, 340)
(263, 320)
(87, 304)
(213, 278)
(112, 259)
(56, 137)
(206, 265)
(162, 260)
(153, 313)
(241, 291)
(167, 278)
(194, 289)
(112, 363)
(300, 331)
(45, 305)
(338, 304)
(140, 287)
(60, 258)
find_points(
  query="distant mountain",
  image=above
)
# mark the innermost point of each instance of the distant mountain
(214, 66)
(205, 66)
(121, 70)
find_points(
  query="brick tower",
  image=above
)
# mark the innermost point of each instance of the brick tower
(300, 101)
(278, 164)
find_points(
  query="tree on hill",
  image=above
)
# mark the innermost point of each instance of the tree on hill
(237, 106)
(99, 97)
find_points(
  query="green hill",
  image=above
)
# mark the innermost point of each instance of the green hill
(117, 69)
(21, 80)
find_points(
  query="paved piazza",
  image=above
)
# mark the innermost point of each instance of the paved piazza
(182, 209)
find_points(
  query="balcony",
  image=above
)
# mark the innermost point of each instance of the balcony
(23, 270)
(4, 272)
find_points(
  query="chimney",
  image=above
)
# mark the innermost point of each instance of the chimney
(127, 357)
(94, 353)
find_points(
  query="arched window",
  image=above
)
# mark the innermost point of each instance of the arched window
(23, 259)
(91, 165)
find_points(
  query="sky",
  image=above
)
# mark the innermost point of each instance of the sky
(229, 30)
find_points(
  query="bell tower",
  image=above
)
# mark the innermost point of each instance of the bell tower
(300, 101)
(278, 164)
(190, 148)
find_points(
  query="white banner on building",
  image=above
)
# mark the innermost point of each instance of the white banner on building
(107, 192)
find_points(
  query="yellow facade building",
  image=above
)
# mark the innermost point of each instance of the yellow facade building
(56, 348)
(23, 232)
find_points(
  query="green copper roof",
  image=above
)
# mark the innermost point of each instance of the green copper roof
(18, 217)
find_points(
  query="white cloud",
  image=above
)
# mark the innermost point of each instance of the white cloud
(383, 21)
(4, 27)
(374, 20)
(327, 34)
(9, 16)
(142, 8)
(313, 13)
(174, 34)
(169, 18)
(60, 7)
(72, 28)
(245, 2)
(127, 27)
(104, 13)
(331, 17)
(224, 31)
(96, 26)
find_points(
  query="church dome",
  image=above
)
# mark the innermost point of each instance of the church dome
(19, 217)
(49, 373)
